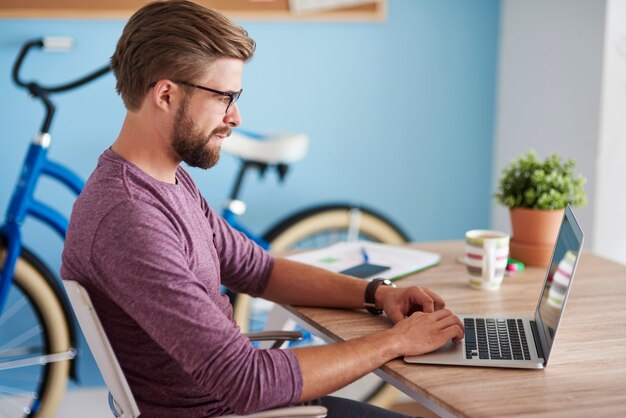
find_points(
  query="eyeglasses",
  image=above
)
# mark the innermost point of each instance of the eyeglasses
(229, 97)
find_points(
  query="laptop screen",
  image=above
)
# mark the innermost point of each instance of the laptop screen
(559, 278)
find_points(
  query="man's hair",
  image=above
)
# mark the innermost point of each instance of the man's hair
(174, 39)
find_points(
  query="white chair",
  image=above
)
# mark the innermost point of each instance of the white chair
(121, 400)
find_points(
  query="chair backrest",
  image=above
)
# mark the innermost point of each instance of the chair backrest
(101, 350)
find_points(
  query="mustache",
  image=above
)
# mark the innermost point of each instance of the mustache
(225, 132)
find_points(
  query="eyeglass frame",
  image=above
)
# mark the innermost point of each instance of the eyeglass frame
(233, 96)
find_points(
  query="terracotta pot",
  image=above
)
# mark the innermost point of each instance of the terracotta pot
(534, 235)
(530, 254)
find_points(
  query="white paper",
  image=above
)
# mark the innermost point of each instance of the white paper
(344, 255)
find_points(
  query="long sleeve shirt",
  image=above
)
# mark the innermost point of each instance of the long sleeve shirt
(152, 256)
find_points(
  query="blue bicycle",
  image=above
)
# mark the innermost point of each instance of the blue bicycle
(37, 333)
(37, 351)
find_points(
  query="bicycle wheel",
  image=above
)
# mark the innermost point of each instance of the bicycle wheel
(325, 225)
(313, 228)
(32, 324)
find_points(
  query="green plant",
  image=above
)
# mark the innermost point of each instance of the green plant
(550, 184)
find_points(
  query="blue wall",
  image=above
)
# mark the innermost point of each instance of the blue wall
(400, 115)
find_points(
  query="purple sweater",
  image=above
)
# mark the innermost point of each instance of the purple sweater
(152, 256)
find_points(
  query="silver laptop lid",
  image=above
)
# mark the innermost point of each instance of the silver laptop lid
(557, 284)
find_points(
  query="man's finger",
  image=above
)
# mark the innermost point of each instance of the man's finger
(438, 300)
(454, 333)
(442, 314)
(419, 297)
(449, 320)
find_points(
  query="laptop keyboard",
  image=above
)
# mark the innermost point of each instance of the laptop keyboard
(495, 339)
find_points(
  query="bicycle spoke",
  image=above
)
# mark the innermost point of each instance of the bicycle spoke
(21, 377)
(23, 337)
(30, 380)
(14, 398)
(15, 352)
(17, 392)
(12, 310)
(354, 225)
(38, 360)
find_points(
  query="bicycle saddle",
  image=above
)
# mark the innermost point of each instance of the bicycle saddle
(277, 148)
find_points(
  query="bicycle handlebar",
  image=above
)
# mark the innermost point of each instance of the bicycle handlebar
(42, 92)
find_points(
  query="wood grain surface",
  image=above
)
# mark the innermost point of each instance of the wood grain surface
(586, 375)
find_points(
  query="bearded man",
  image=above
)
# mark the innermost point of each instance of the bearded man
(153, 255)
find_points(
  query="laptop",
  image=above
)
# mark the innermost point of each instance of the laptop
(519, 342)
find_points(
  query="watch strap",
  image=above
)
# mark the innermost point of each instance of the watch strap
(370, 292)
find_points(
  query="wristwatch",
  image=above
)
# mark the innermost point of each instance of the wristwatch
(370, 291)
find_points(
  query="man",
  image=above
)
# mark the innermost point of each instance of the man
(152, 254)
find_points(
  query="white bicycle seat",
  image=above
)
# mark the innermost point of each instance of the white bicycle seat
(277, 148)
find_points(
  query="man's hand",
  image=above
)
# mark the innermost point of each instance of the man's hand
(399, 303)
(422, 332)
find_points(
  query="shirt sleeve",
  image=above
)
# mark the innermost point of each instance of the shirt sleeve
(139, 263)
(245, 266)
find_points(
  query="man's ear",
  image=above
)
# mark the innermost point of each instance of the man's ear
(164, 94)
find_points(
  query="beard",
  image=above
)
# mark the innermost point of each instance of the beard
(191, 145)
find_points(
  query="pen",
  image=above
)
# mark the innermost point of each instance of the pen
(366, 257)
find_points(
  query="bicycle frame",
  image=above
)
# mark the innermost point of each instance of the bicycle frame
(23, 204)
(36, 164)
(234, 207)
(231, 218)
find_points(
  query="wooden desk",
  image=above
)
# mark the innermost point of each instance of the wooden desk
(586, 375)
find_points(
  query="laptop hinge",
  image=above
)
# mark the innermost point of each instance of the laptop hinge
(533, 327)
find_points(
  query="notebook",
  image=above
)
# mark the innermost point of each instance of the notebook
(519, 342)
(367, 259)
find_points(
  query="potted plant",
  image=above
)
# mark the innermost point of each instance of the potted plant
(536, 193)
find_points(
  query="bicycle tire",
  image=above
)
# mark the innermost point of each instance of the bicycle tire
(295, 229)
(33, 299)
(297, 232)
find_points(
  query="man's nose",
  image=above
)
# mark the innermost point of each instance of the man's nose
(233, 117)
